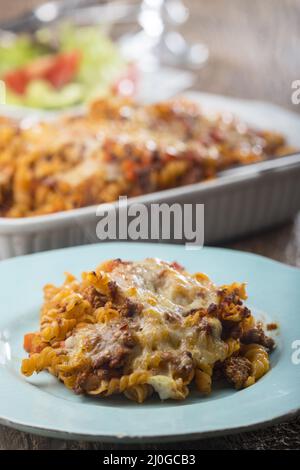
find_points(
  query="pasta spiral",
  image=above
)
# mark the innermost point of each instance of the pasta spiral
(139, 393)
(99, 280)
(39, 361)
(259, 359)
(231, 307)
(233, 346)
(105, 315)
(203, 382)
(58, 329)
(117, 385)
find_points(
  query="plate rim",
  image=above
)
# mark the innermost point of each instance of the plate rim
(130, 439)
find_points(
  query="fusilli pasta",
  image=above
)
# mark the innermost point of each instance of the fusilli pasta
(139, 328)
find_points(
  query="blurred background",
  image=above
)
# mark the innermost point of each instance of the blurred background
(251, 47)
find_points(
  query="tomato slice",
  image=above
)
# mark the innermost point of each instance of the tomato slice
(63, 69)
(17, 81)
(58, 69)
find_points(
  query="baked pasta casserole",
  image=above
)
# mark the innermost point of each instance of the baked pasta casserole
(120, 148)
(140, 328)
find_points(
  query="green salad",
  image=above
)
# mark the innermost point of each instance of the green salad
(82, 64)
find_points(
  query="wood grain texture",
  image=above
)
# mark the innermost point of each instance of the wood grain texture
(254, 48)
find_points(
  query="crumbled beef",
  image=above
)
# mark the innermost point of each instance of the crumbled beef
(257, 335)
(130, 308)
(212, 309)
(231, 329)
(113, 289)
(95, 298)
(227, 301)
(237, 370)
(189, 312)
(218, 370)
(112, 347)
(205, 326)
(172, 317)
(89, 380)
(81, 378)
(184, 365)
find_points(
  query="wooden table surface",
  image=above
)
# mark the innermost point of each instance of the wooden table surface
(254, 53)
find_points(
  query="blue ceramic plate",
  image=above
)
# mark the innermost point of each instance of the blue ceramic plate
(42, 405)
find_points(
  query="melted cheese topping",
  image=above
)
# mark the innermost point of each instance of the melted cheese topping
(166, 343)
(119, 148)
(162, 288)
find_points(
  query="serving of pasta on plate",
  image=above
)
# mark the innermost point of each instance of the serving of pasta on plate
(141, 328)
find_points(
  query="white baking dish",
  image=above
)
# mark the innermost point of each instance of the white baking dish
(238, 202)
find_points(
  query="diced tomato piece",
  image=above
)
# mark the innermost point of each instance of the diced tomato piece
(63, 69)
(28, 338)
(17, 81)
(58, 69)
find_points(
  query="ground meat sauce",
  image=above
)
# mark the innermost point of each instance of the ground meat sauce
(237, 370)
(108, 349)
(112, 346)
(257, 335)
(95, 298)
